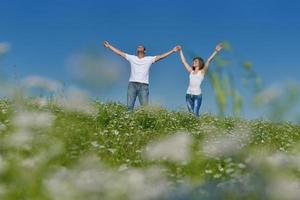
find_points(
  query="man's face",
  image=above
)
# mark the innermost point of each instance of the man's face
(140, 49)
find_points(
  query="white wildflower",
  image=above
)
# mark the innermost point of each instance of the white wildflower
(2, 127)
(284, 188)
(20, 139)
(33, 120)
(41, 82)
(76, 100)
(225, 144)
(95, 144)
(174, 148)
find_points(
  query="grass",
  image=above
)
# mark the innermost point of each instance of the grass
(228, 158)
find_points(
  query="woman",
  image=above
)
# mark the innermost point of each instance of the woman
(197, 72)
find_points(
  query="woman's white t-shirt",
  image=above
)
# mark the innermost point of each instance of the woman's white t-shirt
(140, 68)
(195, 83)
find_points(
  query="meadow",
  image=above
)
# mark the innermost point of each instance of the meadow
(51, 149)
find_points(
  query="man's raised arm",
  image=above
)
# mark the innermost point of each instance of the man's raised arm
(117, 51)
(162, 56)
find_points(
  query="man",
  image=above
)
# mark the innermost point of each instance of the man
(138, 85)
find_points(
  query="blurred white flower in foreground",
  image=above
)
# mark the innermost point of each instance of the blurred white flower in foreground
(20, 139)
(228, 144)
(41, 158)
(146, 184)
(282, 160)
(2, 127)
(94, 71)
(33, 120)
(269, 94)
(24, 123)
(72, 99)
(4, 47)
(173, 147)
(42, 82)
(278, 159)
(76, 100)
(284, 187)
(91, 180)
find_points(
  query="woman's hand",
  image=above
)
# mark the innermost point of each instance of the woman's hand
(219, 47)
(177, 48)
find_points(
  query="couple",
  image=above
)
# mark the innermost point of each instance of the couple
(138, 85)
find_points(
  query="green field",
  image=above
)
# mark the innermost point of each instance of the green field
(47, 152)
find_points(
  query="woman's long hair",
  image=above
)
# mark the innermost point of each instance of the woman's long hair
(201, 62)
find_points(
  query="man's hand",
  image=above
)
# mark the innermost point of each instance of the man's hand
(219, 47)
(177, 48)
(106, 44)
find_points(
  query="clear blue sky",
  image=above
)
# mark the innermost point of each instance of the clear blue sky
(44, 34)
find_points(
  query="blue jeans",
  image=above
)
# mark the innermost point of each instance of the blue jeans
(140, 90)
(193, 103)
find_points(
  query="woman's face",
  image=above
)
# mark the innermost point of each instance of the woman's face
(196, 63)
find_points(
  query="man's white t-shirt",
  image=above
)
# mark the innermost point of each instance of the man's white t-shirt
(140, 68)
